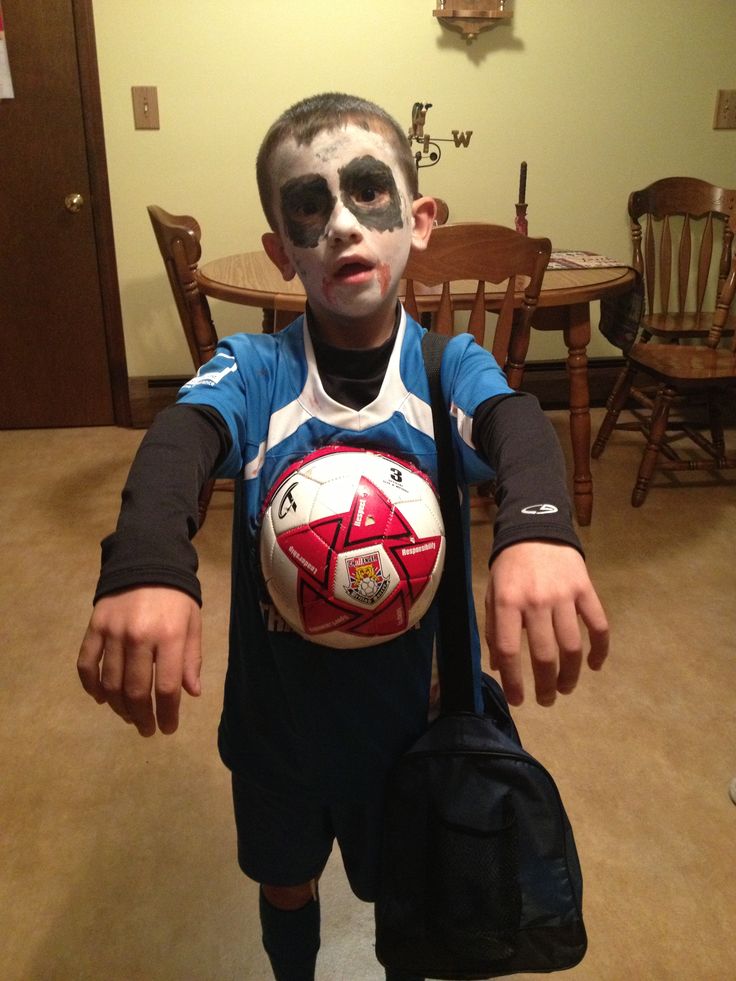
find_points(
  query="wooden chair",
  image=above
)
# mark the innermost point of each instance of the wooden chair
(687, 237)
(472, 255)
(477, 254)
(683, 254)
(443, 212)
(685, 374)
(179, 240)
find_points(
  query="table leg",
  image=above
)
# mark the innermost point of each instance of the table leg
(518, 348)
(577, 337)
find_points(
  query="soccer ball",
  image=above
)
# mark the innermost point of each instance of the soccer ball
(352, 546)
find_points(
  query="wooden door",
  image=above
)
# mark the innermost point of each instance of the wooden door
(62, 360)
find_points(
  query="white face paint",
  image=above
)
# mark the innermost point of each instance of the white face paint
(346, 225)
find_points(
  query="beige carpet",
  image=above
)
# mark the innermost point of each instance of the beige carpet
(118, 858)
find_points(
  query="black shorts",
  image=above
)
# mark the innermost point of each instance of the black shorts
(285, 839)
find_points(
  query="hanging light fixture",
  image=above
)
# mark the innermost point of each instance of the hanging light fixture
(470, 17)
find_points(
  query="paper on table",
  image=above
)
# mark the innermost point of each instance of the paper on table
(576, 259)
(6, 82)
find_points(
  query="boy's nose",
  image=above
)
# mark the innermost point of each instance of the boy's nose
(343, 224)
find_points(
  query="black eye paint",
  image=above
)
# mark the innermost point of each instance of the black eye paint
(369, 190)
(306, 204)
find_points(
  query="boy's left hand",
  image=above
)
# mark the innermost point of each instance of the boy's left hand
(542, 587)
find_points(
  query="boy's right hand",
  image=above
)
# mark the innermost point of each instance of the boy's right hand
(141, 641)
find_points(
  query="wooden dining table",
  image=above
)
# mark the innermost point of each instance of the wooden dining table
(250, 278)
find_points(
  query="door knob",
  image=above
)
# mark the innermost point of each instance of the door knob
(73, 202)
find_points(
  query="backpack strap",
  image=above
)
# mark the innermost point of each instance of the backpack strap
(455, 659)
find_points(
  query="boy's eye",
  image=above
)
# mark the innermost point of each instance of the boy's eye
(368, 188)
(368, 194)
(306, 197)
(307, 209)
(367, 181)
(306, 205)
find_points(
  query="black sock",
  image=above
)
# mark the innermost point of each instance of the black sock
(291, 939)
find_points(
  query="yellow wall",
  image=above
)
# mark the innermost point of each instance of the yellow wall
(599, 96)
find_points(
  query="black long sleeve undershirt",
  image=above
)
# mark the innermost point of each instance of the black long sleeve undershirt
(152, 543)
(517, 439)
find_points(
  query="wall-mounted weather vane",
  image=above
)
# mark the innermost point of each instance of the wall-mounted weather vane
(429, 151)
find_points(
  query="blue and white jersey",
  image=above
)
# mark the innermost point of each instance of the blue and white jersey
(268, 390)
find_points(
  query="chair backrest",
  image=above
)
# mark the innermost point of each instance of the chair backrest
(694, 258)
(480, 253)
(443, 212)
(179, 238)
(725, 301)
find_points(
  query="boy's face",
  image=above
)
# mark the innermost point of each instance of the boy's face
(346, 223)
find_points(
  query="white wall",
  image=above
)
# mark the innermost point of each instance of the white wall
(598, 96)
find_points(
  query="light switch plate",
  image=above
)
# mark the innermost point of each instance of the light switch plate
(145, 106)
(725, 114)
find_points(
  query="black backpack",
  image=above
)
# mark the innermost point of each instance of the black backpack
(479, 873)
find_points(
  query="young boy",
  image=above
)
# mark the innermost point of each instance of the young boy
(309, 732)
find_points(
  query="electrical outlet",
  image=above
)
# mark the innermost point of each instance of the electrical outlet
(725, 115)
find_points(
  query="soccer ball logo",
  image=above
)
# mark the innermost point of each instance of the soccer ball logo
(352, 546)
(367, 583)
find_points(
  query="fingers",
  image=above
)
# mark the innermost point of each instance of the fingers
(193, 656)
(594, 618)
(88, 664)
(503, 636)
(556, 654)
(112, 678)
(543, 650)
(544, 589)
(143, 644)
(177, 669)
(169, 665)
(136, 687)
(101, 667)
(569, 639)
(556, 649)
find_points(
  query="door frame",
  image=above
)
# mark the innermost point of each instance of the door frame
(89, 85)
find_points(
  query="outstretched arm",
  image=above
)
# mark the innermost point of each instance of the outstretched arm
(538, 581)
(142, 645)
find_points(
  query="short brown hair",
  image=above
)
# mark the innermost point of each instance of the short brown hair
(330, 110)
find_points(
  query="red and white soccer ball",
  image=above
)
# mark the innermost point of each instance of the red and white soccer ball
(352, 546)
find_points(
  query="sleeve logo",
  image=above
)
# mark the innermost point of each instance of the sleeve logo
(208, 375)
(539, 509)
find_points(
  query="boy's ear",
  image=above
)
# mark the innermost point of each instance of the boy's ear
(274, 249)
(424, 211)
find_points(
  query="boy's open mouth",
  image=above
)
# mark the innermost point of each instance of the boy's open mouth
(353, 271)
